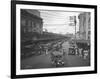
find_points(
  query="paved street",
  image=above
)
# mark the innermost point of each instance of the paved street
(44, 60)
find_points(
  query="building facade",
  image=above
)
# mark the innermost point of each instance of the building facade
(84, 26)
(31, 24)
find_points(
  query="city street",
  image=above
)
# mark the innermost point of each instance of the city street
(44, 60)
(51, 38)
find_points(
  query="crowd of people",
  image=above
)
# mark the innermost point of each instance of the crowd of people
(81, 49)
(57, 52)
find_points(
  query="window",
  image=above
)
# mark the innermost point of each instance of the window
(23, 22)
(89, 32)
(33, 26)
(88, 37)
(29, 26)
(29, 23)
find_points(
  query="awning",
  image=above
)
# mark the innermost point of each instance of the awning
(82, 41)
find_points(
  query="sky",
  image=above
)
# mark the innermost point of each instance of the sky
(58, 21)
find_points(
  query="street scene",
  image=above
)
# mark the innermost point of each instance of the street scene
(54, 39)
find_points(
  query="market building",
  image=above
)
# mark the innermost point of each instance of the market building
(31, 24)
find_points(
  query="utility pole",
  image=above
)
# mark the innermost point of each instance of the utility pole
(75, 27)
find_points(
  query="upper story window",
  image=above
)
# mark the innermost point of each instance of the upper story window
(29, 26)
(29, 23)
(23, 22)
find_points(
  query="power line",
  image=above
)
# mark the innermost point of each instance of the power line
(48, 17)
(54, 24)
(58, 16)
(52, 14)
(61, 11)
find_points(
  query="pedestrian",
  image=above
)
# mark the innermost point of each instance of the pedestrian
(85, 54)
(46, 49)
(76, 51)
(80, 52)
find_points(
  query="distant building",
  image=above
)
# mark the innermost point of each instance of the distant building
(84, 26)
(72, 20)
(69, 34)
(31, 23)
